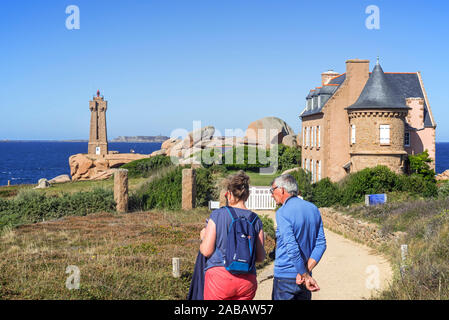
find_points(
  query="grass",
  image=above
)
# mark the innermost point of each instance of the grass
(426, 224)
(120, 256)
(257, 179)
(69, 187)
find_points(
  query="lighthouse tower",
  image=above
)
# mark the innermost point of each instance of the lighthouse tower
(98, 140)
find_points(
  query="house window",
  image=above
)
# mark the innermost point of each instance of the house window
(307, 136)
(303, 137)
(311, 137)
(307, 164)
(407, 139)
(319, 137)
(314, 136)
(319, 170)
(384, 134)
(312, 169)
(353, 134)
(319, 101)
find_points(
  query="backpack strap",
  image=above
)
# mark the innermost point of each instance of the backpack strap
(233, 215)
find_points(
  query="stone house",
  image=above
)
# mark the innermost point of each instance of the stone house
(360, 119)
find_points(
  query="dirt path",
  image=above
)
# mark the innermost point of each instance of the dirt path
(347, 271)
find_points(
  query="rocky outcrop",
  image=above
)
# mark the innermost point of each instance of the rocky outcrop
(60, 179)
(290, 141)
(98, 167)
(42, 184)
(258, 133)
(267, 131)
(443, 176)
(203, 134)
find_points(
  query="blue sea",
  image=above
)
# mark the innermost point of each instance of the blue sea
(27, 162)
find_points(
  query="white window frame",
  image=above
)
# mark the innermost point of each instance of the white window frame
(307, 136)
(311, 137)
(384, 134)
(312, 164)
(319, 136)
(319, 170)
(353, 133)
(303, 136)
(407, 133)
(311, 169)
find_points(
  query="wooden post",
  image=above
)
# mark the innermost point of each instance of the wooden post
(188, 189)
(176, 267)
(121, 190)
(9, 183)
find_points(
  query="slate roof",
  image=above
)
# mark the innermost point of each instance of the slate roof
(379, 93)
(406, 85)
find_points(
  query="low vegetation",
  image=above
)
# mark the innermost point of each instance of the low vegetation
(426, 224)
(120, 256)
(31, 206)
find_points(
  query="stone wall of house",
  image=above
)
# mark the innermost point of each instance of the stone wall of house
(361, 231)
(367, 151)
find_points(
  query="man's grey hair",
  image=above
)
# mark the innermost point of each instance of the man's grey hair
(288, 182)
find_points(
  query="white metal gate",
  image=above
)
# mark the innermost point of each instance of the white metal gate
(260, 199)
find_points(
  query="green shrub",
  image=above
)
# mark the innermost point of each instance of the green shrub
(420, 164)
(419, 185)
(144, 167)
(379, 179)
(206, 189)
(289, 157)
(246, 158)
(304, 178)
(443, 190)
(268, 226)
(325, 193)
(209, 157)
(165, 191)
(31, 206)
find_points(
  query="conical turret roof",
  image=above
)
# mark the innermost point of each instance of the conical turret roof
(379, 93)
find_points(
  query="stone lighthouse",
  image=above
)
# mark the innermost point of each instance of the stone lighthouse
(377, 123)
(98, 140)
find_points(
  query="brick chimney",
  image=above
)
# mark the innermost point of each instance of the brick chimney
(357, 73)
(327, 76)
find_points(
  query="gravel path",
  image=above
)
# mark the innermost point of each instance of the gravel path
(347, 271)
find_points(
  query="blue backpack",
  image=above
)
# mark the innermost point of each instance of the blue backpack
(240, 254)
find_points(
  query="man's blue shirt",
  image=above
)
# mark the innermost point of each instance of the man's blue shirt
(299, 236)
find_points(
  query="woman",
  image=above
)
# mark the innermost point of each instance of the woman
(219, 283)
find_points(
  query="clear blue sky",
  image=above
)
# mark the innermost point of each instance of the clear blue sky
(162, 64)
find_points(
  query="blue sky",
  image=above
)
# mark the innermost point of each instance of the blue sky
(163, 64)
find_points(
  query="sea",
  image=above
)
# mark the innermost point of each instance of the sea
(25, 162)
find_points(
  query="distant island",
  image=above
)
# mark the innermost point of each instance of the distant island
(140, 139)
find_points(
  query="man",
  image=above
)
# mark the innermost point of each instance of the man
(300, 242)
